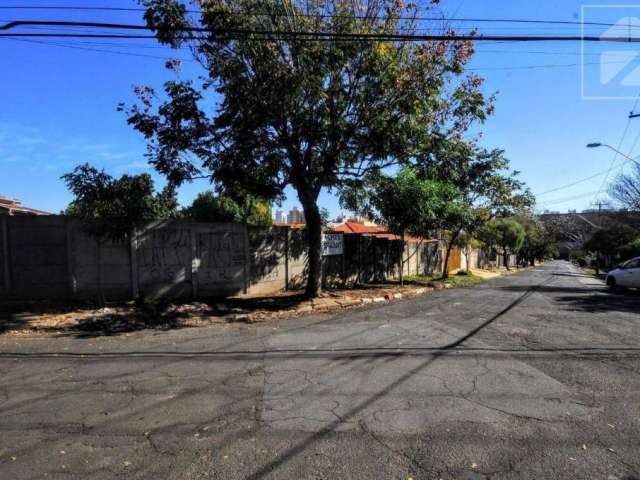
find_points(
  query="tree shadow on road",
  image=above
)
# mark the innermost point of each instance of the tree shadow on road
(553, 289)
(328, 429)
(592, 300)
(627, 302)
(434, 355)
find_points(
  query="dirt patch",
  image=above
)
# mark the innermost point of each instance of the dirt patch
(84, 320)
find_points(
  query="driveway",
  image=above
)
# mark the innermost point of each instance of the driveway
(534, 375)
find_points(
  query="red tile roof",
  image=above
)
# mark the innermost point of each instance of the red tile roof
(292, 226)
(377, 231)
(350, 227)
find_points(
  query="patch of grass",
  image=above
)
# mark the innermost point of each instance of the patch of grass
(458, 280)
(463, 280)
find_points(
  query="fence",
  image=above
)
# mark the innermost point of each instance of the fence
(43, 257)
(370, 259)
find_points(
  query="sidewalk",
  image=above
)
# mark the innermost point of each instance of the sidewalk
(82, 319)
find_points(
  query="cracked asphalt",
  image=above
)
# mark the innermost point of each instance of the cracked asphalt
(533, 375)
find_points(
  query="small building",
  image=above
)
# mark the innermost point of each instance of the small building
(12, 206)
(377, 231)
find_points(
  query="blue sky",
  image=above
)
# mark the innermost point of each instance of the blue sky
(59, 103)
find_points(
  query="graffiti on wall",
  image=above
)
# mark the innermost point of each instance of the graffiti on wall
(222, 256)
(164, 255)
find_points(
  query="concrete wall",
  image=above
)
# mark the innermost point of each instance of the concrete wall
(36, 250)
(96, 266)
(4, 255)
(470, 258)
(52, 257)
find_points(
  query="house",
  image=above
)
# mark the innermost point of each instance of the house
(377, 231)
(11, 206)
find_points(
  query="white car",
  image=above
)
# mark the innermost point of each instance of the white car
(625, 275)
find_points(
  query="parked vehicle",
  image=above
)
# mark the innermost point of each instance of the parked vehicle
(625, 275)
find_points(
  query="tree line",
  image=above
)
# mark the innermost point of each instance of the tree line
(392, 128)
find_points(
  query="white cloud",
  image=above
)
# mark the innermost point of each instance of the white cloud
(19, 143)
(133, 166)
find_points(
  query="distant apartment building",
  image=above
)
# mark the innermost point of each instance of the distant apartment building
(281, 217)
(12, 206)
(295, 216)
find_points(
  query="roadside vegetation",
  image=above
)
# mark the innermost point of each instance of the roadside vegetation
(391, 128)
(617, 233)
(461, 279)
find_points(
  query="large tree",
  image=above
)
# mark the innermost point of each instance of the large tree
(506, 234)
(612, 244)
(539, 243)
(302, 97)
(405, 204)
(626, 189)
(488, 188)
(112, 207)
(209, 207)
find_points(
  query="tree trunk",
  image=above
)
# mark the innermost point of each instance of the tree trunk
(402, 258)
(467, 257)
(314, 242)
(445, 268)
(505, 258)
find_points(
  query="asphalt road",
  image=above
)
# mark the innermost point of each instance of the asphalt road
(534, 375)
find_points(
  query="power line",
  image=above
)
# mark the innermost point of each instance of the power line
(577, 182)
(544, 66)
(276, 14)
(116, 52)
(69, 23)
(74, 35)
(132, 46)
(478, 50)
(545, 29)
(271, 35)
(475, 69)
(550, 52)
(567, 199)
(268, 34)
(615, 155)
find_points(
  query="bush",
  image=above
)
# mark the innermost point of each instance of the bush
(582, 262)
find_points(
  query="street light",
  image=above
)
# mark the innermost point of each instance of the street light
(597, 144)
